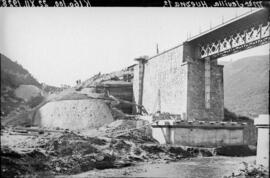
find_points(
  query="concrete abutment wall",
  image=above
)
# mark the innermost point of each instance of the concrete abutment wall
(164, 83)
(174, 82)
(199, 134)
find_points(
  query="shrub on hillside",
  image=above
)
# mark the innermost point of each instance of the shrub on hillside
(231, 116)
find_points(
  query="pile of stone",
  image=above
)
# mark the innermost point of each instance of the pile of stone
(123, 75)
(64, 152)
(251, 170)
(138, 131)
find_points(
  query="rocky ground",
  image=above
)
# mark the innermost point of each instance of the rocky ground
(41, 152)
(201, 167)
(117, 149)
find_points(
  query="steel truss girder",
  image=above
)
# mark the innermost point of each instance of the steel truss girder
(253, 37)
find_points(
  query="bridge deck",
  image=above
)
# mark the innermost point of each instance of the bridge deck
(235, 25)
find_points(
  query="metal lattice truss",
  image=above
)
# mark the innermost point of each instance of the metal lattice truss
(254, 36)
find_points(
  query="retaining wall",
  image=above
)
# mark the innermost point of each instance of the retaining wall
(73, 114)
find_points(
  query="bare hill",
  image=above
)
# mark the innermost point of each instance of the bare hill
(16, 83)
(246, 86)
(13, 74)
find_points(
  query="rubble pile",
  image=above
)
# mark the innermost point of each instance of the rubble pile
(14, 164)
(166, 116)
(123, 75)
(62, 152)
(136, 130)
(250, 170)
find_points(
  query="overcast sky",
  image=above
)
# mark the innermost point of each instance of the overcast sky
(61, 45)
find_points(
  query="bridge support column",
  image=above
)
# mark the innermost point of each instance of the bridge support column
(262, 123)
(207, 80)
(141, 77)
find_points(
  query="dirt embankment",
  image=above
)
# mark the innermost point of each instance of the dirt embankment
(63, 152)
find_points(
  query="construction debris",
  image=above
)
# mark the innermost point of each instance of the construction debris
(42, 152)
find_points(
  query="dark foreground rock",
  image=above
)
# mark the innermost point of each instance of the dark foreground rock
(66, 153)
(14, 164)
(241, 150)
(248, 170)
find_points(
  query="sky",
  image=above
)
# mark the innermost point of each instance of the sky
(61, 45)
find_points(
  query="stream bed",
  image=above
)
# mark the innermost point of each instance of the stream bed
(203, 167)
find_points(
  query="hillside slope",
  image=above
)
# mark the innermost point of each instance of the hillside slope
(13, 74)
(246, 86)
(13, 77)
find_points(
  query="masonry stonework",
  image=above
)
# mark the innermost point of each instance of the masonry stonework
(217, 94)
(196, 90)
(174, 82)
(165, 83)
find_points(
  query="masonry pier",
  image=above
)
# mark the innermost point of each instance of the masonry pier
(262, 123)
